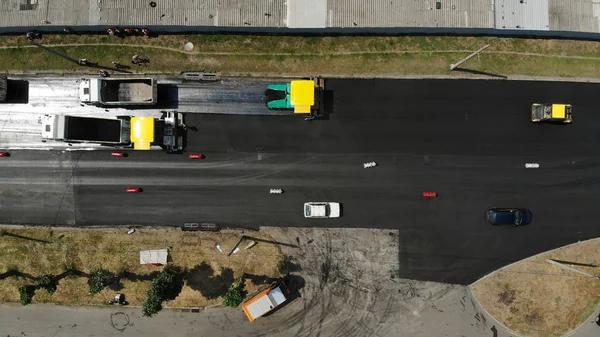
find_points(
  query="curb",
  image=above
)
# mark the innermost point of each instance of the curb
(574, 331)
(419, 77)
(492, 317)
(275, 76)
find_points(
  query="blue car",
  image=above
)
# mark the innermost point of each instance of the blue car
(509, 216)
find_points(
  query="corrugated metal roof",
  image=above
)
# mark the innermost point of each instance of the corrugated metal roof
(224, 13)
(13, 14)
(307, 14)
(410, 13)
(574, 15)
(522, 14)
(568, 15)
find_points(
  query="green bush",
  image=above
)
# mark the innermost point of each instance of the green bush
(168, 283)
(26, 293)
(152, 305)
(99, 280)
(165, 286)
(48, 282)
(236, 293)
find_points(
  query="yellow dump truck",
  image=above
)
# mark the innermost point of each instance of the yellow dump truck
(550, 112)
(122, 132)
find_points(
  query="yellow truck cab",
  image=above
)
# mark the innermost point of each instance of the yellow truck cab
(304, 97)
(550, 112)
(142, 132)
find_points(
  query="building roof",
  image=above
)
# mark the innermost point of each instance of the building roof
(567, 15)
(307, 14)
(521, 14)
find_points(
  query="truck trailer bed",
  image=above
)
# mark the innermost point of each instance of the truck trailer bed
(127, 91)
(93, 129)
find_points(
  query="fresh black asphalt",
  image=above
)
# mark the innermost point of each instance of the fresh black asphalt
(467, 140)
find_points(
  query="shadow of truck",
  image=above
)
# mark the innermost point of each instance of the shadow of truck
(13, 91)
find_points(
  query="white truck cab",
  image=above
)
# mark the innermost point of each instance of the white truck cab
(89, 89)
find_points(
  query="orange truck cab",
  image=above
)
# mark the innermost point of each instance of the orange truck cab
(266, 301)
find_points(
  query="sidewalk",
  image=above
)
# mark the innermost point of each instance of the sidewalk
(589, 328)
(353, 296)
(455, 314)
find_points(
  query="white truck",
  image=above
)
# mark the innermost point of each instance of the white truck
(265, 301)
(141, 133)
(118, 91)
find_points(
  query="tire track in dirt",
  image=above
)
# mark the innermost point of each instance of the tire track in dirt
(334, 303)
(362, 298)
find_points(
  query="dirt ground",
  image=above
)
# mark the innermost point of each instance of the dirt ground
(536, 298)
(31, 252)
(348, 285)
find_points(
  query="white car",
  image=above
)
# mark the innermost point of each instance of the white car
(322, 210)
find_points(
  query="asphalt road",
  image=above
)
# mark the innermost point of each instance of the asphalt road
(60, 94)
(467, 140)
(34, 96)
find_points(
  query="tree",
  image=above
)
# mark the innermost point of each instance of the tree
(168, 283)
(48, 282)
(152, 305)
(100, 279)
(26, 293)
(165, 286)
(236, 293)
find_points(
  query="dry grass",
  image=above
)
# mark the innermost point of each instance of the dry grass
(209, 272)
(536, 298)
(270, 55)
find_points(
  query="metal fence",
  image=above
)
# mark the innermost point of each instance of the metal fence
(400, 31)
